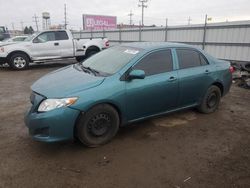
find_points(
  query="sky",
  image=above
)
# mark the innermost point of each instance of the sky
(13, 12)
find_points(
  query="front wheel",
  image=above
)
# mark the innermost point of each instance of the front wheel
(211, 100)
(98, 126)
(19, 61)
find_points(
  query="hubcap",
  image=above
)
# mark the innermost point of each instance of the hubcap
(19, 62)
(99, 124)
(212, 100)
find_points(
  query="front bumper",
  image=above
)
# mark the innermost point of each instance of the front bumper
(3, 60)
(52, 126)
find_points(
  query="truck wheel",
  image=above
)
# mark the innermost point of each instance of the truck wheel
(80, 58)
(19, 61)
(91, 52)
(211, 100)
(98, 126)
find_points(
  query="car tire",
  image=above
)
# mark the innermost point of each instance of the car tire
(91, 53)
(211, 100)
(98, 125)
(19, 61)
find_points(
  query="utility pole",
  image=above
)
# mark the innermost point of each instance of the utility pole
(189, 20)
(204, 33)
(166, 30)
(65, 16)
(36, 21)
(130, 18)
(142, 5)
(13, 26)
(22, 25)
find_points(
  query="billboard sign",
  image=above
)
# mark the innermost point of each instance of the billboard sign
(98, 22)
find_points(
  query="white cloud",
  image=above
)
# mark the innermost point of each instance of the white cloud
(177, 11)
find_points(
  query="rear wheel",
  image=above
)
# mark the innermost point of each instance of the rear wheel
(19, 61)
(98, 126)
(80, 58)
(211, 100)
(91, 53)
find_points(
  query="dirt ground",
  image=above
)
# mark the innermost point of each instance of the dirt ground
(184, 149)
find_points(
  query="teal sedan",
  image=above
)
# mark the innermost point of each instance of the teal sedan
(124, 84)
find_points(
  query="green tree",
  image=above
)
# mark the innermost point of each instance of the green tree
(31, 30)
(26, 30)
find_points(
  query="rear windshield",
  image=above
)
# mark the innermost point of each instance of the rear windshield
(111, 60)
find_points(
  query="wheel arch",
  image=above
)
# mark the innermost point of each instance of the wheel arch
(18, 51)
(110, 103)
(220, 86)
(93, 47)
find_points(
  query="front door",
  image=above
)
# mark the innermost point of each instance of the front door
(45, 46)
(158, 91)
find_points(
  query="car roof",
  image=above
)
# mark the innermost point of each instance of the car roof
(156, 45)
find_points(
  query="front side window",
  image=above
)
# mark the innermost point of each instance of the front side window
(45, 37)
(190, 58)
(156, 63)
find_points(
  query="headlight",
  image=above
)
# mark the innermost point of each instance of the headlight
(50, 104)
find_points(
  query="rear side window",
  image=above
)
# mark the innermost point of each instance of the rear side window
(190, 58)
(156, 63)
(61, 35)
(45, 37)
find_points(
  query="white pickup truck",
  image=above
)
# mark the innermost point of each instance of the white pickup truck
(49, 45)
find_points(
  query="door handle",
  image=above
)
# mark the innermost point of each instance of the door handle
(172, 78)
(207, 72)
(56, 43)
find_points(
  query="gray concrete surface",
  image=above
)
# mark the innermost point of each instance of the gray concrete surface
(184, 149)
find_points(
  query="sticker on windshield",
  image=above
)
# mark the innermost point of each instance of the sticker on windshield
(129, 51)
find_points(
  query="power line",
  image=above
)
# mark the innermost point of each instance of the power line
(142, 5)
(36, 21)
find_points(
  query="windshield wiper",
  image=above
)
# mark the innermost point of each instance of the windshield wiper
(95, 72)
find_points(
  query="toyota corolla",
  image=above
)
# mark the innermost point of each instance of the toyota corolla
(124, 84)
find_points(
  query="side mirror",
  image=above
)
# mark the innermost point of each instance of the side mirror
(35, 40)
(136, 74)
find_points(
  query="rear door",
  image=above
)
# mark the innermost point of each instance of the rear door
(65, 44)
(158, 91)
(195, 76)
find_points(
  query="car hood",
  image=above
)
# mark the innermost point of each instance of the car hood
(6, 43)
(65, 82)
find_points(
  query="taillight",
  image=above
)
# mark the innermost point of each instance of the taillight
(107, 43)
(231, 69)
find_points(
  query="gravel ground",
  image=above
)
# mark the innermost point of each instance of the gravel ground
(184, 149)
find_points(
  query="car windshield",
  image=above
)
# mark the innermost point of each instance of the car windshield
(111, 60)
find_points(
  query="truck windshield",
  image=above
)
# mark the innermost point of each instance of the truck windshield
(111, 60)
